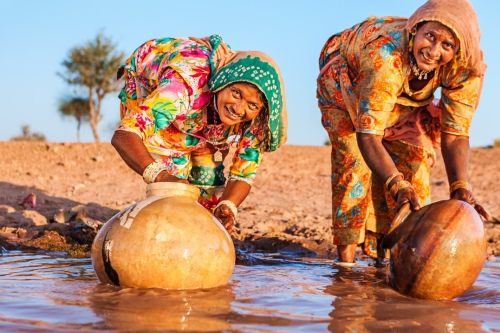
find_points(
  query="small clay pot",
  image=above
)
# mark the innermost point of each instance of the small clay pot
(167, 240)
(438, 251)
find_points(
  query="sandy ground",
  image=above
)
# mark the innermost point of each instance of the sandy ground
(78, 187)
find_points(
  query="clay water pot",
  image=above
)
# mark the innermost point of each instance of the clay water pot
(167, 240)
(438, 251)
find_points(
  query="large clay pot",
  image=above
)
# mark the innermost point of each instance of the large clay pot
(167, 240)
(438, 251)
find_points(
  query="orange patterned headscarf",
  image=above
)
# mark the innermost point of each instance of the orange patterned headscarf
(461, 18)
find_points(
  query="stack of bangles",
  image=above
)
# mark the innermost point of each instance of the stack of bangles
(229, 204)
(459, 184)
(152, 170)
(398, 186)
(393, 190)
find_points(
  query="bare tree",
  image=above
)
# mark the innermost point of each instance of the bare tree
(93, 67)
(75, 107)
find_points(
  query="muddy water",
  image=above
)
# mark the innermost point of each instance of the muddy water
(271, 293)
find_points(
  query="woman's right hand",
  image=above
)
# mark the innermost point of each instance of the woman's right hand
(164, 176)
(464, 194)
(405, 195)
(226, 217)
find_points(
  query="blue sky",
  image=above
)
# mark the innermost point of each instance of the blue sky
(37, 36)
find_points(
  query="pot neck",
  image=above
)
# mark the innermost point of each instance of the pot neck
(168, 189)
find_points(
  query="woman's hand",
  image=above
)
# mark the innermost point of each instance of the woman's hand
(236, 191)
(464, 194)
(405, 195)
(226, 217)
(164, 176)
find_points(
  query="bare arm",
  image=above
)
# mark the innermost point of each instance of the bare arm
(236, 192)
(131, 149)
(456, 152)
(380, 163)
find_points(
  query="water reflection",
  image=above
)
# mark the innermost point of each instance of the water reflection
(271, 293)
(193, 311)
(365, 303)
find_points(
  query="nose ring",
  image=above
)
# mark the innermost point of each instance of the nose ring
(438, 55)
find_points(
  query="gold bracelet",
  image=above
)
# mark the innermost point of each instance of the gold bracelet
(398, 186)
(229, 204)
(459, 184)
(152, 170)
(391, 177)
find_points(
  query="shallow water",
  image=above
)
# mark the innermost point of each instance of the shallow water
(278, 293)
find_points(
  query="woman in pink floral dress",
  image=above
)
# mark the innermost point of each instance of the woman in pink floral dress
(185, 101)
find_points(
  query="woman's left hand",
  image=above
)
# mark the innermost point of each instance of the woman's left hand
(464, 194)
(407, 195)
(226, 217)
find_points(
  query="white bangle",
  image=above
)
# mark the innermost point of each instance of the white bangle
(229, 204)
(152, 170)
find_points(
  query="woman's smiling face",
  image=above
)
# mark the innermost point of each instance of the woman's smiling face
(238, 102)
(434, 45)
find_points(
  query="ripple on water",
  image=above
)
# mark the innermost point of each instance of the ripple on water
(271, 293)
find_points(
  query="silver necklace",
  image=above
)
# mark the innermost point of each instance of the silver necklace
(419, 73)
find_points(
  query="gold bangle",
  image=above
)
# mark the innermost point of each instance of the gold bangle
(398, 186)
(229, 204)
(391, 177)
(459, 184)
(152, 170)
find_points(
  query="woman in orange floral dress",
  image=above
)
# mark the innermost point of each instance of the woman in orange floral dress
(376, 95)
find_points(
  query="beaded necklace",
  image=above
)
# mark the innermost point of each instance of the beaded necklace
(419, 73)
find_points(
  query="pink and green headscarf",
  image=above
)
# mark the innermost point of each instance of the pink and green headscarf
(258, 69)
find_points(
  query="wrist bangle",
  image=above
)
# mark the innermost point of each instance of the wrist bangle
(229, 204)
(391, 177)
(459, 184)
(398, 186)
(152, 170)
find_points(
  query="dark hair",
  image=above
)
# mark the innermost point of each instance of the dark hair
(261, 121)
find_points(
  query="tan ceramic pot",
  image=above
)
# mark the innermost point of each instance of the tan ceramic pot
(167, 240)
(438, 251)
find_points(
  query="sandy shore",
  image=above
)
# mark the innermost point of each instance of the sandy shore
(78, 187)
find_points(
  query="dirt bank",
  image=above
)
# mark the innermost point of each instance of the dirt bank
(80, 186)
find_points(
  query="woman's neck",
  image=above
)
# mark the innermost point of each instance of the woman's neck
(416, 83)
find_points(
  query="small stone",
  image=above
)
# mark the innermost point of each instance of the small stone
(63, 216)
(79, 186)
(78, 209)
